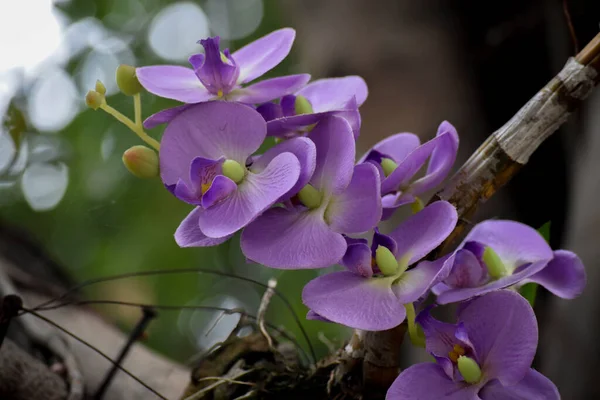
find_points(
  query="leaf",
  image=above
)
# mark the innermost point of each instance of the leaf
(544, 230)
(529, 291)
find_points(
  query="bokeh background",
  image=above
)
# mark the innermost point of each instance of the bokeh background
(469, 62)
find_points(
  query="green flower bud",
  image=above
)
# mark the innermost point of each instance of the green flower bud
(302, 106)
(310, 197)
(494, 264)
(386, 261)
(127, 81)
(94, 99)
(388, 166)
(417, 205)
(469, 369)
(233, 170)
(141, 161)
(100, 88)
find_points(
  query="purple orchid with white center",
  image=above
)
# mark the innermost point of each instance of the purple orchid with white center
(372, 292)
(400, 157)
(487, 355)
(220, 75)
(499, 254)
(203, 161)
(339, 198)
(295, 114)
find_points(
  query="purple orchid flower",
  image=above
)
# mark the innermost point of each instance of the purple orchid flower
(498, 254)
(486, 356)
(339, 198)
(295, 114)
(401, 156)
(372, 293)
(203, 161)
(220, 75)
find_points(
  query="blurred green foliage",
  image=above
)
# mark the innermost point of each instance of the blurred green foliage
(110, 222)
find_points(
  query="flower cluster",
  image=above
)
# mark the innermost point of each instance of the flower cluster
(307, 203)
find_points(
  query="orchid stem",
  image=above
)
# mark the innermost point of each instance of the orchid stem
(415, 337)
(137, 109)
(137, 128)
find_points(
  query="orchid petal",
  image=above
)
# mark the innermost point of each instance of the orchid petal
(467, 270)
(358, 208)
(564, 275)
(263, 54)
(534, 386)
(269, 89)
(211, 130)
(173, 82)
(164, 116)
(219, 190)
(335, 155)
(292, 239)
(425, 230)
(454, 295)
(516, 243)
(358, 259)
(304, 150)
(333, 93)
(255, 194)
(417, 281)
(397, 146)
(441, 160)
(188, 234)
(352, 300)
(504, 333)
(428, 381)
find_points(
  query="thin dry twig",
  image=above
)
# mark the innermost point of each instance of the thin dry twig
(220, 381)
(262, 310)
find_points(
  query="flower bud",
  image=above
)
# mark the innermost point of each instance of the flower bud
(94, 99)
(141, 161)
(127, 81)
(386, 261)
(469, 369)
(388, 166)
(233, 170)
(100, 88)
(302, 106)
(494, 264)
(310, 197)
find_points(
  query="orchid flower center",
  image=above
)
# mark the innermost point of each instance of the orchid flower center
(493, 263)
(388, 264)
(456, 352)
(224, 58)
(233, 170)
(386, 261)
(310, 197)
(417, 205)
(302, 105)
(469, 369)
(388, 165)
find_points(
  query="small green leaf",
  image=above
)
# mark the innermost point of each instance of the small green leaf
(544, 230)
(529, 291)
